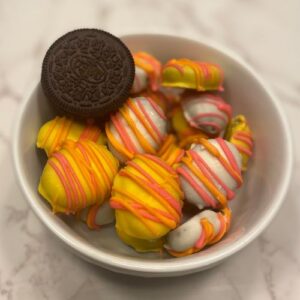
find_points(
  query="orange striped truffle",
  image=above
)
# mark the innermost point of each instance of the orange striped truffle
(56, 131)
(148, 201)
(189, 74)
(80, 174)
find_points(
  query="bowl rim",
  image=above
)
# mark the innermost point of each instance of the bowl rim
(163, 268)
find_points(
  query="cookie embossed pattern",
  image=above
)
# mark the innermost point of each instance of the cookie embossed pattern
(87, 73)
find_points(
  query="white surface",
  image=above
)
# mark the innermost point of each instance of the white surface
(33, 264)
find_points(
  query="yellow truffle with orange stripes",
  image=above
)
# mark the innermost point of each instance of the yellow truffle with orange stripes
(54, 132)
(189, 74)
(148, 200)
(80, 174)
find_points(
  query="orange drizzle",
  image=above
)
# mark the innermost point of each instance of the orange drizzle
(127, 148)
(62, 132)
(90, 164)
(90, 132)
(207, 182)
(145, 185)
(170, 176)
(122, 199)
(192, 139)
(170, 152)
(95, 160)
(49, 131)
(91, 217)
(159, 215)
(207, 75)
(83, 163)
(215, 152)
(142, 141)
(142, 119)
(118, 146)
(208, 232)
(150, 65)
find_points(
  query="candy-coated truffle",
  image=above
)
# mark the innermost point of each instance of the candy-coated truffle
(147, 72)
(210, 172)
(148, 200)
(204, 229)
(139, 126)
(182, 127)
(97, 215)
(189, 74)
(54, 132)
(207, 112)
(240, 134)
(170, 152)
(80, 174)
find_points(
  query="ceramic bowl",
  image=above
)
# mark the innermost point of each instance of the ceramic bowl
(257, 202)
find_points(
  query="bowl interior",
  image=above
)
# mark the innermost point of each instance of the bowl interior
(254, 205)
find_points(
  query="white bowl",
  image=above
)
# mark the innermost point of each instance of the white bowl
(258, 201)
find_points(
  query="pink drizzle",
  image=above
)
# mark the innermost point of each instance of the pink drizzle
(157, 108)
(228, 154)
(156, 187)
(149, 119)
(201, 241)
(208, 172)
(209, 115)
(160, 162)
(200, 191)
(123, 134)
(244, 137)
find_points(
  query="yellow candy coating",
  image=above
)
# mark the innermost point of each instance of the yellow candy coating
(185, 73)
(148, 200)
(240, 134)
(54, 132)
(78, 175)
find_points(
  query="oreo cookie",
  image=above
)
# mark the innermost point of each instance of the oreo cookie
(87, 73)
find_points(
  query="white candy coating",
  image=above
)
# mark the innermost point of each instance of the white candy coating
(105, 214)
(216, 166)
(187, 235)
(204, 112)
(160, 123)
(140, 81)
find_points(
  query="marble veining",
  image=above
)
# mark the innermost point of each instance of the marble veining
(33, 264)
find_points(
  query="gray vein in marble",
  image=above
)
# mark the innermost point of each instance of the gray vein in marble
(233, 286)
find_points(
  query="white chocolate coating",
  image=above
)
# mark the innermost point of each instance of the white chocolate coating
(216, 166)
(140, 82)
(105, 214)
(160, 123)
(205, 113)
(187, 235)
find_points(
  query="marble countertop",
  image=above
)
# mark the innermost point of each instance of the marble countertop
(33, 264)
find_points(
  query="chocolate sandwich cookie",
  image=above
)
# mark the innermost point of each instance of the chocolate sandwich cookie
(87, 73)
